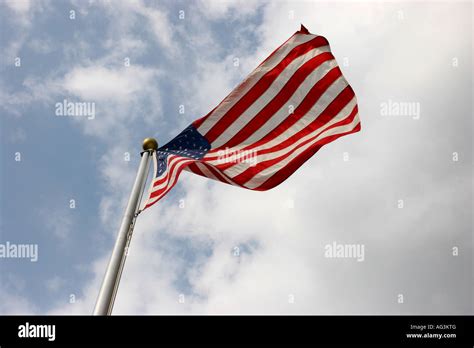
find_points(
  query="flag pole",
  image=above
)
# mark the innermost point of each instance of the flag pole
(108, 290)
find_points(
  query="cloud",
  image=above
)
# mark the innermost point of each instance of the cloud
(213, 81)
(125, 14)
(83, 300)
(160, 26)
(120, 96)
(59, 222)
(13, 302)
(280, 265)
(55, 284)
(350, 202)
(21, 14)
(20, 7)
(41, 46)
(229, 9)
(101, 83)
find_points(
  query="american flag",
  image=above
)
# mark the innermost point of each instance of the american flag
(291, 105)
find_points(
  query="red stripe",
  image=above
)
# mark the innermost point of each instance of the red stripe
(168, 186)
(219, 175)
(331, 111)
(216, 176)
(195, 169)
(168, 176)
(301, 110)
(199, 121)
(168, 161)
(216, 173)
(169, 170)
(224, 165)
(265, 164)
(149, 205)
(275, 50)
(163, 193)
(298, 161)
(279, 100)
(260, 87)
(326, 116)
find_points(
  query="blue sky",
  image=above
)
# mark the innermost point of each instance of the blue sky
(185, 245)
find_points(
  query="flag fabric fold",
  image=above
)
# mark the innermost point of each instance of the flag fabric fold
(292, 104)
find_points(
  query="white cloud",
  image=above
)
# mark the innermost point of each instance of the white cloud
(59, 222)
(212, 82)
(21, 14)
(160, 27)
(19, 6)
(55, 284)
(234, 9)
(282, 247)
(13, 302)
(101, 83)
(125, 14)
(41, 46)
(122, 97)
(83, 299)
(351, 202)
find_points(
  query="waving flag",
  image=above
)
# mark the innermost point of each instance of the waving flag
(291, 105)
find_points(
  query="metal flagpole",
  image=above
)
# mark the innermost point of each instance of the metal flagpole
(108, 290)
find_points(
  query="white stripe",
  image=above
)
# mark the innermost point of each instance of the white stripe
(164, 174)
(267, 173)
(319, 106)
(226, 178)
(171, 180)
(241, 167)
(251, 80)
(268, 95)
(296, 99)
(168, 162)
(206, 171)
(167, 183)
(178, 160)
(210, 175)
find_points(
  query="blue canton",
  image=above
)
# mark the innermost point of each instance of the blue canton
(189, 143)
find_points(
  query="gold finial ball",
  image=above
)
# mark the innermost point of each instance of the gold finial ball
(150, 144)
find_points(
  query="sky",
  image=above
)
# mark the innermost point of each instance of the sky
(400, 190)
